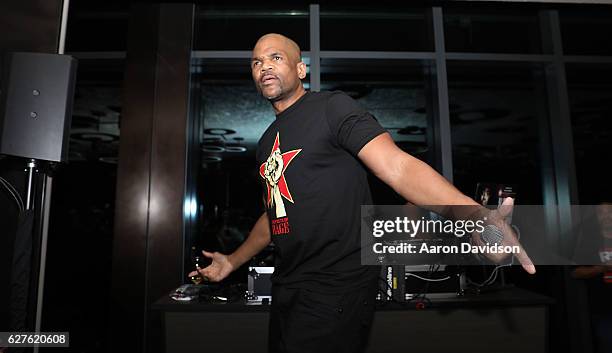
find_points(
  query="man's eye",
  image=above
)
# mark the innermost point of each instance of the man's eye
(255, 63)
(277, 58)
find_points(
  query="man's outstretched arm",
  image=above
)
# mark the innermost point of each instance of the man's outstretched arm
(222, 265)
(417, 182)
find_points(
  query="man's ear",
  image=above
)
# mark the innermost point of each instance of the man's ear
(301, 68)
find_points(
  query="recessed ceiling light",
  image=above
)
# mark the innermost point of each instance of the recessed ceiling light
(213, 149)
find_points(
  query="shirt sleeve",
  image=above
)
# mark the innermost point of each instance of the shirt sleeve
(351, 125)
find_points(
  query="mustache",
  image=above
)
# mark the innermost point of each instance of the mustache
(267, 75)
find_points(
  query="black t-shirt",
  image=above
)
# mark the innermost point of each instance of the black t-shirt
(314, 185)
(600, 294)
(600, 287)
(594, 248)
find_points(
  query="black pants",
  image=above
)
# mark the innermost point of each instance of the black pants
(303, 320)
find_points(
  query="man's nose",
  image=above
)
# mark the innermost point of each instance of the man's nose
(266, 66)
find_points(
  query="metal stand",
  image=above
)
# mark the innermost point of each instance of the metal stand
(46, 202)
(45, 205)
(31, 168)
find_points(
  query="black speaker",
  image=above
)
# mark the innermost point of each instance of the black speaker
(36, 105)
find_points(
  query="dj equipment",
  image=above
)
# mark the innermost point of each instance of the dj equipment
(36, 105)
(403, 283)
(441, 283)
(259, 286)
(392, 283)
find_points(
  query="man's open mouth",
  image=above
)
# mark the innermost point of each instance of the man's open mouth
(268, 78)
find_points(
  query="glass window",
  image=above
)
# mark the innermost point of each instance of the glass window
(363, 29)
(586, 31)
(103, 29)
(498, 113)
(230, 28)
(590, 97)
(394, 91)
(83, 205)
(499, 30)
(232, 116)
(94, 134)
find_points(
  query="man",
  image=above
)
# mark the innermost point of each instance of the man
(311, 162)
(598, 277)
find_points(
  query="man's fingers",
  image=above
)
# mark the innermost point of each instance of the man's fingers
(207, 254)
(525, 261)
(505, 209)
(522, 256)
(530, 268)
(208, 275)
(510, 238)
(208, 272)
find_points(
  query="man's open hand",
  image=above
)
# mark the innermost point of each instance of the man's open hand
(497, 218)
(219, 269)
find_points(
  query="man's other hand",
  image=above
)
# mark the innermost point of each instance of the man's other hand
(219, 268)
(497, 218)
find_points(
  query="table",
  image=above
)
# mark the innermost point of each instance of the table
(510, 320)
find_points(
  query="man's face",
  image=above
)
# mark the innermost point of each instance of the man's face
(275, 69)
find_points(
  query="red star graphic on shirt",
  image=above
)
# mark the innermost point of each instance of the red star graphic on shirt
(282, 182)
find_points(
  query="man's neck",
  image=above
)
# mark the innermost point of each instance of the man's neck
(281, 105)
